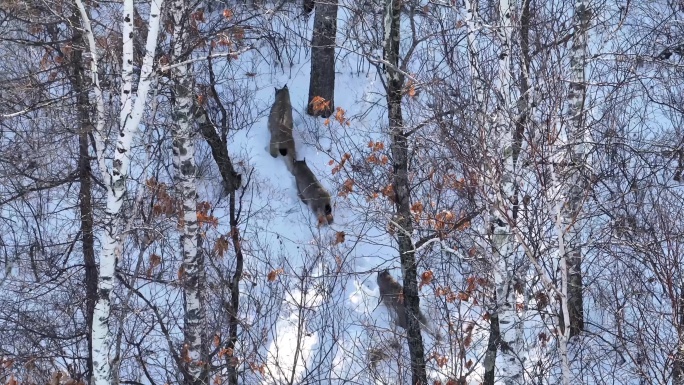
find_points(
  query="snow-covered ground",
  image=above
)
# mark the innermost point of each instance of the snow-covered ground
(289, 229)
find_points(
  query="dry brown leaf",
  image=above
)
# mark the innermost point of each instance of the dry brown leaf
(221, 245)
(463, 296)
(347, 188)
(155, 260)
(319, 104)
(339, 115)
(426, 278)
(273, 274)
(225, 352)
(468, 340)
(339, 237)
(185, 353)
(388, 192)
(372, 158)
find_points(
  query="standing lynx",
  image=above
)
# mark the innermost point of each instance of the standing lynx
(280, 127)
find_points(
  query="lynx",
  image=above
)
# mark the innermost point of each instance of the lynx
(311, 192)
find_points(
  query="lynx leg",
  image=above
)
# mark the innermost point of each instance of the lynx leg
(273, 149)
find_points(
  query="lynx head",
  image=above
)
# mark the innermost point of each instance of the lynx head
(279, 90)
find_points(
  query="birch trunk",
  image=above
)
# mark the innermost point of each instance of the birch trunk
(573, 167)
(508, 360)
(399, 149)
(569, 190)
(115, 177)
(563, 332)
(195, 347)
(502, 362)
(678, 365)
(472, 22)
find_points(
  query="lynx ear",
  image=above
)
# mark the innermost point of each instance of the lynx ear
(285, 87)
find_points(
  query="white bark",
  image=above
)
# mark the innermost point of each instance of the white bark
(185, 168)
(115, 176)
(99, 99)
(568, 185)
(472, 20)
(498, 132)
(563, 335)
(509, 359)
(572, 163)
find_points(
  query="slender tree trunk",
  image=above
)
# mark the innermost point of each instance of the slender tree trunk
(88, 241)
(78, 78)
(322, 81)
(195, 341)
(231, 182)
(501, 148)
(507, 359)
(472, 22)
(574, 168)
(492, 347)
(219, 151)
(233, 321)
(564, 317)
(399, 148)
(678, 365)
(501, 181)
(115, 177)
(524, 106)
(503, 186)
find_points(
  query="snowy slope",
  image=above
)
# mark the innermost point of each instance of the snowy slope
(329, 319)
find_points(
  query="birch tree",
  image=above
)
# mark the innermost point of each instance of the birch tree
(502, 362)
(573, 169)
(481, 122)
(114, 175)
(473, 25)
(195, 346)
(499, 145)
